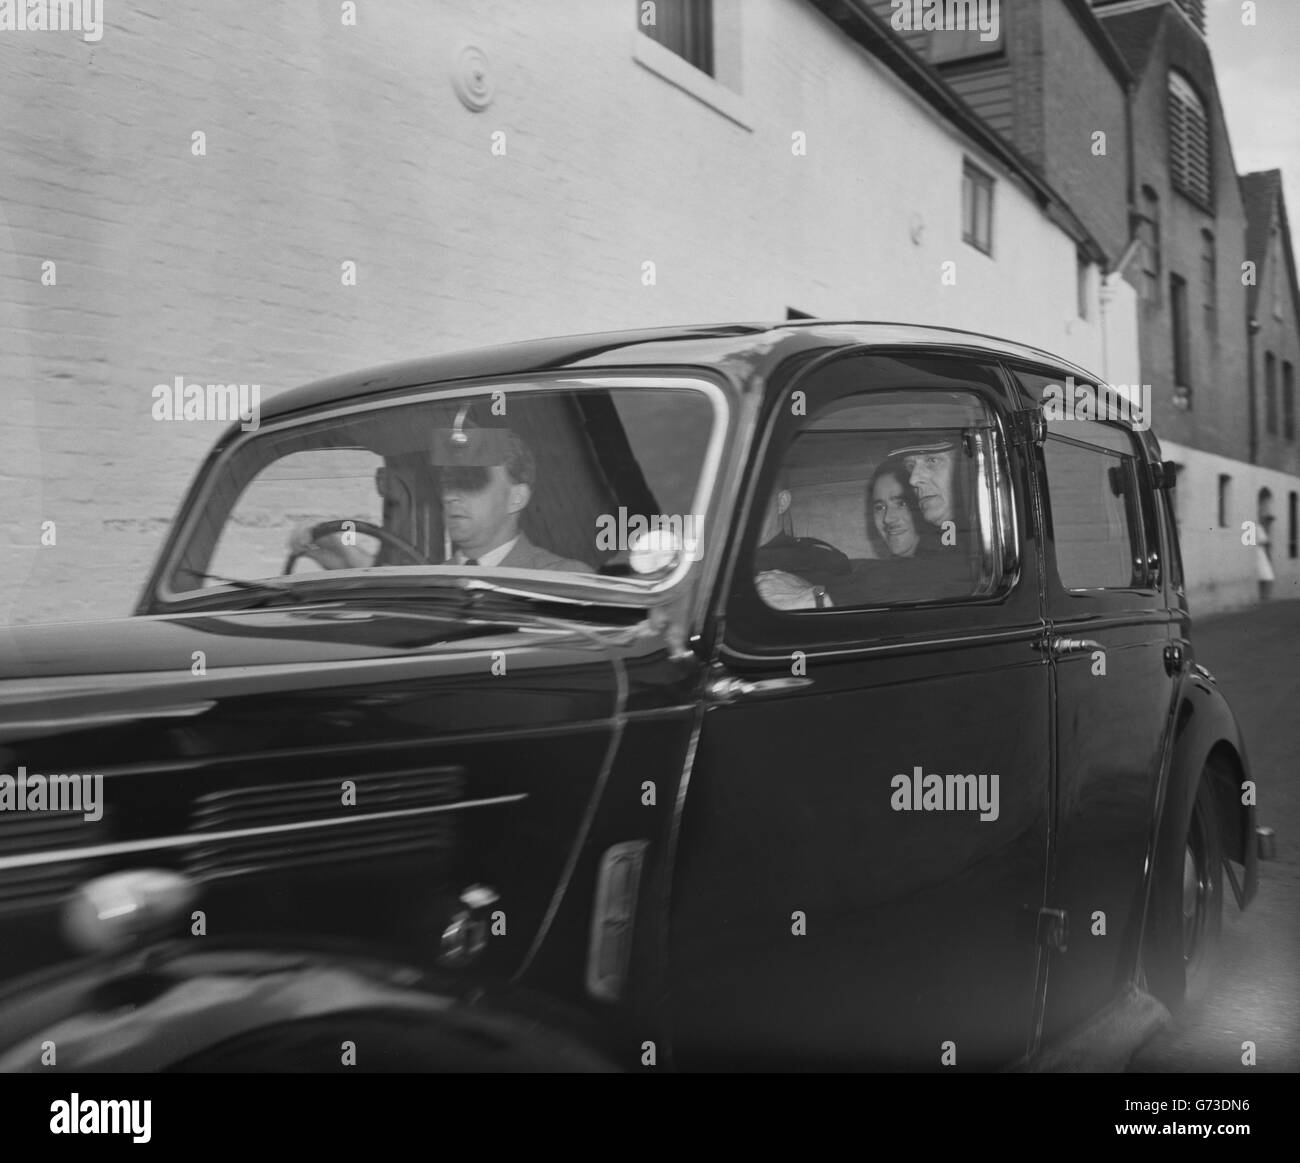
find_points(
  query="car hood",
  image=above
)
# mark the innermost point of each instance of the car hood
(247, 638)
(339, 772)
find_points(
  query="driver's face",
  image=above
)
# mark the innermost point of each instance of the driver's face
(478, 507)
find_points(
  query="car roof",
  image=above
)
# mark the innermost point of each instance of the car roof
(757, 346)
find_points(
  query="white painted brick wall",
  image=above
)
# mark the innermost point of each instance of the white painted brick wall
(327, 143)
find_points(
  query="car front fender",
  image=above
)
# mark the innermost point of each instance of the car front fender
(252, 1010)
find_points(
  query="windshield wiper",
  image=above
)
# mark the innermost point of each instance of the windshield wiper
(267, 589)
(472, 588)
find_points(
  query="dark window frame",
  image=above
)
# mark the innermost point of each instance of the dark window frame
(1209, 276)
(1179, 326)
(1142, 535)
(1270, 393)
(1144, 521)
(1146, 228)
(756, 632)
(1293, 525)
(1224, 500)
(686, 28)
(1288, 401)
(975, 179)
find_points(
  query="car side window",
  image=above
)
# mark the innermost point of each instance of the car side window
(885, 498)
(1096, 522)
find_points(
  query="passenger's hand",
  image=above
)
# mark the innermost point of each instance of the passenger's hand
(786, 591)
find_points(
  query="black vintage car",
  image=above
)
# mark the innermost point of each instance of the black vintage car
(808, 695)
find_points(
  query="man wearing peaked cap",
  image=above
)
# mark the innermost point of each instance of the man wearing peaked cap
(487, 477)
(931, 460)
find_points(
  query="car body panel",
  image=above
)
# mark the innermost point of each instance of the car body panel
(416, 745)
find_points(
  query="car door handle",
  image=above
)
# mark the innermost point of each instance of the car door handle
(1057, 646)
(728, 688)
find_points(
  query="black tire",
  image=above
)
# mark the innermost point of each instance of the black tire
(1186, 926)
(1202, 897)
(397, 1043)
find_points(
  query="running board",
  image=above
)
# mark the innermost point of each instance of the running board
(1106, 1042)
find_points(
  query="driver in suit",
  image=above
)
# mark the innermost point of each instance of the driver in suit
(486, 477)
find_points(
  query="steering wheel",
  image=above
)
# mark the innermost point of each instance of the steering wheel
(325, 528)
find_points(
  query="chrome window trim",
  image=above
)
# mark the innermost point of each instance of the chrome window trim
(599, 587)
(1006, 577)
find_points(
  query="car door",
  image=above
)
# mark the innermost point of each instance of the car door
(1110, 644)
(831, 906)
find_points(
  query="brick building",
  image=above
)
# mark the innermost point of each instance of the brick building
(200, 176)
(1273, 329)
(1166, 205)
(1189, 214)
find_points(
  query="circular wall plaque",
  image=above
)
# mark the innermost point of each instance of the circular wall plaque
(471, 79)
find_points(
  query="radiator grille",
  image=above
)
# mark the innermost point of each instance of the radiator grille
(348, 837)
(43, 885)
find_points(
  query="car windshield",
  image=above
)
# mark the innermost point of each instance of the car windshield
(568, 483)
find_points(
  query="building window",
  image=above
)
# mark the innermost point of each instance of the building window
(795, 313)
(1147, 227)
(1189, 142)
(1081, 279)
(977, 208)
(1270, 394)
(1182, 355)
(682, 26)
(1225, 499)
(1292, 534)
(1209, 273)
(1288, 401)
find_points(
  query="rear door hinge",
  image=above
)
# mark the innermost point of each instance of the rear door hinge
(1054, 929)
(1030, 427)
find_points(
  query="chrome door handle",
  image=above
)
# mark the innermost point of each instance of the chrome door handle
(1074, 645)
(728, 688)
(1057, 646)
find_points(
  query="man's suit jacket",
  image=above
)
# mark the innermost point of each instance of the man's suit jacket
(526, 555)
